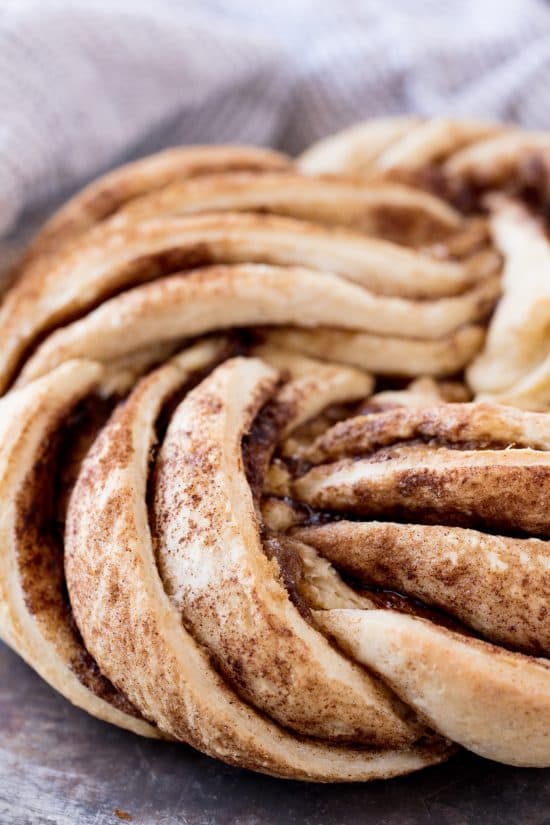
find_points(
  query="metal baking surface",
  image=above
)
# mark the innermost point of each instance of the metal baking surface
(61, 767)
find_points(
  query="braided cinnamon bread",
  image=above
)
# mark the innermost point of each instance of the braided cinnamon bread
(275, 451)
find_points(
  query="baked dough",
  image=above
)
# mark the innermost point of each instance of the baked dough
(275, 454)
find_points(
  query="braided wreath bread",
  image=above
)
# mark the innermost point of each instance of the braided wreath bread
(275, 450)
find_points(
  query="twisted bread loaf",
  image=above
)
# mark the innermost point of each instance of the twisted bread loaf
(226, 518)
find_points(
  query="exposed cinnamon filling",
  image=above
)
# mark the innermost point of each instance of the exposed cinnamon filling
(41, 509)
(260, 444)
(259, 448)
(531, 184)
(292, 571)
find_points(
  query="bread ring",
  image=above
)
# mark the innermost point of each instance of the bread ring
(259, 489)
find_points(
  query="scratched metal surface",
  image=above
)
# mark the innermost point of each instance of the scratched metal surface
(61, 767)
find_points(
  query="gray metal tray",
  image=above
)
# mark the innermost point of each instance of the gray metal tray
(59, 766)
